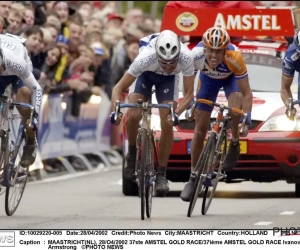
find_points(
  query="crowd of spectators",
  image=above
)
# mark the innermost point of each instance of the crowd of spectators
(75, 46)
(79, 47)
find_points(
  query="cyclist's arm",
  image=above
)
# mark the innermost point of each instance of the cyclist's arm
(188, 82)
(188, 87)
(244, 87)
(241, 75)
(121, 86)
(288, 71)
(128, 78)
(36, 91)
(285, 91)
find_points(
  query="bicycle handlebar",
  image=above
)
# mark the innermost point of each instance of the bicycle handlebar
(144, 106)
(211, 103)
(7, 101)
(223, 107)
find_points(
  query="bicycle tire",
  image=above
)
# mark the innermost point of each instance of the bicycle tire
(11, 210)
(150, 186)
(201, 163)
(206, 205)
(2, 154)
(141, 174)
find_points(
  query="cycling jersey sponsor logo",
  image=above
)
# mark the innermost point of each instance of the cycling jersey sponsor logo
(215, 74)
(188, 72)
(285, 64)
(196, 58)
(14, 67)
(222, 69)
(145, 62)
(187, 22)
(295, 56)
(233, 62)
(184, 60)
(38, 99)
(6, 43)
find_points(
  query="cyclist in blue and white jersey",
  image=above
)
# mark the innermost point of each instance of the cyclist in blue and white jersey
(161, 58)
(290, 64)
(16, 69)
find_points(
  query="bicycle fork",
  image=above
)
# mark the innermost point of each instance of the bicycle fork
(10, 156)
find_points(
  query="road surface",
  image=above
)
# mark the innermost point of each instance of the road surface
(95, 201)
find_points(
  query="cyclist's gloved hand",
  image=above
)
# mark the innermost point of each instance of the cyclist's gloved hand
(243, 132)
(116, 119)
(248, 119)
(191, 105)
(292, 115)
(176, 119)
(35, 121)
(188, 114)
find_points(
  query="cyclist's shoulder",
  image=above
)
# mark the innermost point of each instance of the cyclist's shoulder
(186, 57)
(148, 41)
(145, 58)
(292, 54)
(234, 59)
(233, 53)
(198, 52)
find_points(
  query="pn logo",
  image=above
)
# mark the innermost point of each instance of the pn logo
(7, 239)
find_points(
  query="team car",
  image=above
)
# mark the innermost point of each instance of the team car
(271, 150)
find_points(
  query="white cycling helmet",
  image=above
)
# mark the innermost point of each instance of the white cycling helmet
(167, 45)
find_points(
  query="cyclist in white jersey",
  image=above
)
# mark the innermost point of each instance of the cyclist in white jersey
(16, 69)
(161, 58)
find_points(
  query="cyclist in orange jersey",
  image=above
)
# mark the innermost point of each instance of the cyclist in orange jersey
(221, 65)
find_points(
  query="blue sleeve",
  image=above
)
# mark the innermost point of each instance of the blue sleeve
(290, 61)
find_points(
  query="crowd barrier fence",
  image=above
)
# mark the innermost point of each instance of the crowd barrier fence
(61, 135)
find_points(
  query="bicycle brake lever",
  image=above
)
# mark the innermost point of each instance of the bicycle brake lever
(193, 107)
(117, 109)
(31, 115)
(243, 123)
(172, 111)
(290, 106)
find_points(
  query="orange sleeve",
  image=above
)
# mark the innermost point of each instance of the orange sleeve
(236, 63)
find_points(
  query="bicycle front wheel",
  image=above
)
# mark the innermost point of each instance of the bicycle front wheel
(150, 177)
(14, 193)
(217, 161)
(143, 148)
(200, 171)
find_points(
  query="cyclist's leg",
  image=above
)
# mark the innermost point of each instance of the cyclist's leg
(167, 90)
(140, 89)
(209, 89)
(4, 82)
(23, 94)
(235, 99)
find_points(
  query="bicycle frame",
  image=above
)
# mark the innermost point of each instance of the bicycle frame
(145, 122)
(220, 126)
(144, 170)
(145, 125)
(10, 155)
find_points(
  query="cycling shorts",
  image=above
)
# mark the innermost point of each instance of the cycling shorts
(209, 89)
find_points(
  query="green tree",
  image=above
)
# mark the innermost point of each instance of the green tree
(146, 7)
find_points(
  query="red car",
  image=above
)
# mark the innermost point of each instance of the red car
(271, 151)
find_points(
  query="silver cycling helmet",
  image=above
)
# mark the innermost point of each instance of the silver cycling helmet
(167, 45)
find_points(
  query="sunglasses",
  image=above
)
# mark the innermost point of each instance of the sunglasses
(168, 62)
